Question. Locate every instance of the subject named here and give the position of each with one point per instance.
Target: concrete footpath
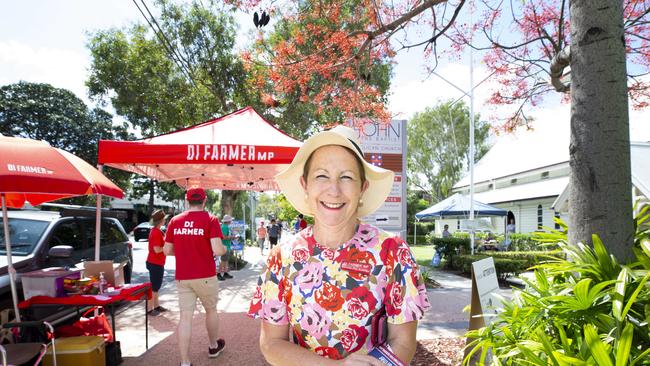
(444, 319)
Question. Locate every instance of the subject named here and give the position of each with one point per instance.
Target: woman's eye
(346, 177)
(321, 176)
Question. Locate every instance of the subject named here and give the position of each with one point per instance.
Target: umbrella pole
(98, 219)
(10, 265)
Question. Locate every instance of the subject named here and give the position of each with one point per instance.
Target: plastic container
(77, 351)
(46, 282)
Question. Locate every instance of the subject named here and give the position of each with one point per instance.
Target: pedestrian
(302, 223)
(261, 236)
(326, 286)
(222, 273)
(445, 232)
(156, 260)
(274, 232)
(194, 237)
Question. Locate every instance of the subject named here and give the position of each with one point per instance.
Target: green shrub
(586, 309)
(450, 247)
(422, 239)
(504, 266)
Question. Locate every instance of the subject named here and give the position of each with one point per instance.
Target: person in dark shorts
(156, 260)
(274, 231)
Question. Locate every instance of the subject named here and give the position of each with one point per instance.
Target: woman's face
(333, 185)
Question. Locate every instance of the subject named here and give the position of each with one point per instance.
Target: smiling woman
(343, 288)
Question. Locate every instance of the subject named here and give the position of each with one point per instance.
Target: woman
(328, 282)
(156, 260)
(261, 236)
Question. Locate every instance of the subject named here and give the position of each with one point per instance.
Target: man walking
(274, 232)
(194, 237)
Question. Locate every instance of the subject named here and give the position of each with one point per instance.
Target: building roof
(545, 145)
(543, 188)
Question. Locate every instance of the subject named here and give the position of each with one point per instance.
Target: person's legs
(260, 242)
(225, 260)
(156, 273)
(207, 289)
(186, 302)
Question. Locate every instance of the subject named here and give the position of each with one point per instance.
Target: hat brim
(380, 180)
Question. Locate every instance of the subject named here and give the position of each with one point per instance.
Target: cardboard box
(47, 281)
(113, 272)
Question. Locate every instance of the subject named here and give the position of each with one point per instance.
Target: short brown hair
(362, 172)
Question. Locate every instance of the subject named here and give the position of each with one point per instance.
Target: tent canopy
(239, 151)
(458, 206)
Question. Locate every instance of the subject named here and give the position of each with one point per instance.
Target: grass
(423, 254)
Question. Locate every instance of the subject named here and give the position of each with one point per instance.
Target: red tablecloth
(127, 293)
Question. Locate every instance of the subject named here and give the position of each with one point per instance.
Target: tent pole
(10, 265)
(415, 231)
(98, 218)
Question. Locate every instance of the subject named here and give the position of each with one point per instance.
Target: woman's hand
(361, 360)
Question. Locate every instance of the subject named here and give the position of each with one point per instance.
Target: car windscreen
(23, 235)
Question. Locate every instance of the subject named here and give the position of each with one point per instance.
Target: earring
(306, 196)
(360, 202)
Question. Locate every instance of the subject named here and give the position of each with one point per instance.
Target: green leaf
(624, 344)
(619, 294)
(634, 295)
(548, 347)
(597, 348)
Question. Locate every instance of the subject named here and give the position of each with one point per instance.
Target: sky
(45, 41)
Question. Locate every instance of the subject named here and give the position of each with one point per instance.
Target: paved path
(445, 319)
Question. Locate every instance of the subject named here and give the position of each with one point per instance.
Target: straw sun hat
(380, 180)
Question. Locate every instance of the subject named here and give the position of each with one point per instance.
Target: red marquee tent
(239, 151)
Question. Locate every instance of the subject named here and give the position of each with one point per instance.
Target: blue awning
(457, 206)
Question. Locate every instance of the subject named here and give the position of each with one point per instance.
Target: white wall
(526, 213)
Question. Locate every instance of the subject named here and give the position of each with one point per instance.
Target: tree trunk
(228, 199)
(600, 200)
(152, 192)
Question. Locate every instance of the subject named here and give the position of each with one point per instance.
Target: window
(67, 233)
(545, 175)
(557, 216)
(513, 181)
(457, 224)
(110, 233)
(540, 217)
(23, 235)
(490, 186)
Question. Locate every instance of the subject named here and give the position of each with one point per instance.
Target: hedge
(505, 263)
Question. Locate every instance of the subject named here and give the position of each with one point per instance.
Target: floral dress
(328, 296)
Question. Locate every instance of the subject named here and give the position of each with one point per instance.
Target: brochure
(385, 354)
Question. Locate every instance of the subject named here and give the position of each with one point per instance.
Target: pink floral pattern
(328, 308)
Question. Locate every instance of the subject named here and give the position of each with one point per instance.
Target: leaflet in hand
(385, 354)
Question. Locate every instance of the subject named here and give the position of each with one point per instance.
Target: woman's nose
(334, 187)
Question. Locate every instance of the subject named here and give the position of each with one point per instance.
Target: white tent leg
(10, 265)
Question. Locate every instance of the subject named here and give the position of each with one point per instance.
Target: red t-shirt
(156, 239)
(303, 224)
(190, 232)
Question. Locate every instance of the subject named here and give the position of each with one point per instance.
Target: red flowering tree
(333, 58)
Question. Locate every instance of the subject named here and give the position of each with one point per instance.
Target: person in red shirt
(156, 260)
(303, 223)
(194, 237)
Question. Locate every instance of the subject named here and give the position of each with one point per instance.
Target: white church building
(527, 174)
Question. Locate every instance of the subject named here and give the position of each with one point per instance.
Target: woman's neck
(333, 236)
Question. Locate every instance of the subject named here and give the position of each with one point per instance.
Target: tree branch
(559, 62)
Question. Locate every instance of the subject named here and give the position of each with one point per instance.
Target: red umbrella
(36, 172)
